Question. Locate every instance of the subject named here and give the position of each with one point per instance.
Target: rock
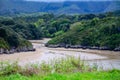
(46, 45)
(6, 51)
(94, 48)
(62, 45)
(18, 50)
(84, 47)
(12, 51)
(104, 48)
(67, 46)
(80, 46)
(1, 50)
(33, 49)
(73, 46)
(117, 49)
(53, 46)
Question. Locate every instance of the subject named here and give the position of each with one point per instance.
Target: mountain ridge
(67, 7)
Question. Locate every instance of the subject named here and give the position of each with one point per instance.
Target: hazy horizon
(66, 0)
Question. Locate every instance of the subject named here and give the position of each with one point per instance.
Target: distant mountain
(12, 7)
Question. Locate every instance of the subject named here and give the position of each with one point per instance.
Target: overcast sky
(67, 0)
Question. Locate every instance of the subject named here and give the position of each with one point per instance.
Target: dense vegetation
(15, 30)
(69, 7)
(86, 30)
(63, 69)
(13, 35)
(93, 31)
(109, 75)
(50, 25)
(98, 33)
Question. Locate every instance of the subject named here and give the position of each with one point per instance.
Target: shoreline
(109, 54)
(22, 57)
(46, 54)
(83, 47)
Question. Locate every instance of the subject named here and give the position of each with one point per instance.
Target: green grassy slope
(109, 75)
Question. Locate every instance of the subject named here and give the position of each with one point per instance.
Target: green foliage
(70, 7)
(86, 30)
(26, 30)
(9, 68)
(10, 39)
(68, 65)
(95, 32)
(109, 75)
(39, 22)
(60, 69)
(59, 33)
(55, 26)
(11, 72)
(3, 44)
(49, 24)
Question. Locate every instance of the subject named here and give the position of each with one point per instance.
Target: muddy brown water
(102, 59)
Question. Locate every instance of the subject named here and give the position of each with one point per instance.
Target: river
(103, 59)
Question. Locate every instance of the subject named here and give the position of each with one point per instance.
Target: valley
(103, 59)
(94, 38)
(59, 40)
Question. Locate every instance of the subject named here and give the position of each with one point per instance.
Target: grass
(109, 75)
(60, 69)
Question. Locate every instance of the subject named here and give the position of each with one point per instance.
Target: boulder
(6, 51)
(62, 45)
(67, 46)
(53, 46)
(1, 50)
(117, 49)
(94, 48)
(31, 48)
(104, 48)
(12, 51)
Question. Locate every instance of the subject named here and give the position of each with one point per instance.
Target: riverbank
(109, 54)
(22, 57)
(81, 47)
(100, 57)
(60, 69)
(85, 64)
(16, 50)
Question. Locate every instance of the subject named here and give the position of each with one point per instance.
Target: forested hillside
(90, 30)
(13, 35)
(93, 34)
(50, 25)
(69, 7)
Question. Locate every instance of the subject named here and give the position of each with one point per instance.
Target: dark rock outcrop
(80, 46)
(13, 50)
(1, 50)
(104, 48)
(117, 49)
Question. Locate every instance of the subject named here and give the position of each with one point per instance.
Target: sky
(66, 0)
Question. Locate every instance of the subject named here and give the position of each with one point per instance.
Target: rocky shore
(13, 50)
(82, 47)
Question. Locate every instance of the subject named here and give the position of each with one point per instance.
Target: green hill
(94, 34)
(67, 7)
(13, 35)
